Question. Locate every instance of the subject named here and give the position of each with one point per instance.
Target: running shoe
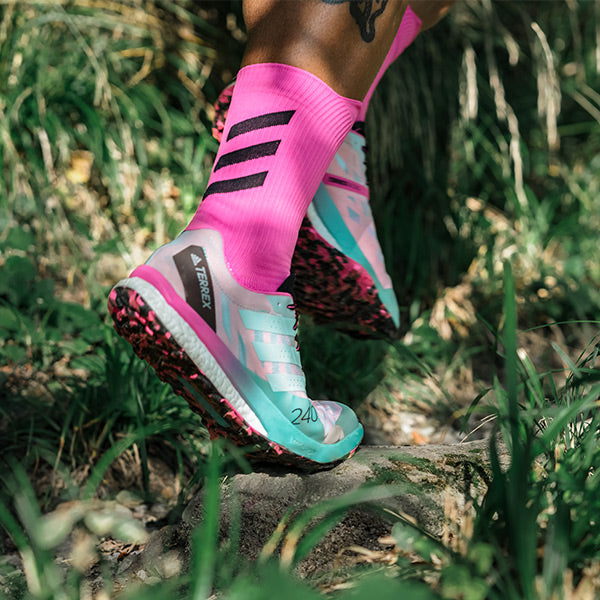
(230, 352)
(339, 267)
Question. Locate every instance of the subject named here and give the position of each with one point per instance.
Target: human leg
(431, 12)
(340, 272)
(342, 46)
(212, 312)
(338, 250)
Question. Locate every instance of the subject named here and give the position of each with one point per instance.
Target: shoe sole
(346, 296)
(138, 322)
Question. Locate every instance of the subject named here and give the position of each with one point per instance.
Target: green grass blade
(205, 537)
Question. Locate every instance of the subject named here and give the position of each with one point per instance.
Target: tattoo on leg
(364, 12)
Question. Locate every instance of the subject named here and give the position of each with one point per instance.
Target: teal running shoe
(230, 352)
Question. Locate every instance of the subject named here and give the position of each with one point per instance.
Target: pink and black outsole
(135, 321)
(221, 109)
(345, 293)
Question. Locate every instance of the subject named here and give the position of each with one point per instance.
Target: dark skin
(431, 11)
(343, 45)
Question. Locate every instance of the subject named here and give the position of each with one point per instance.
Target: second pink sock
(407, 32)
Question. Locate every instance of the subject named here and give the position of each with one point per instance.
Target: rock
(429, 485)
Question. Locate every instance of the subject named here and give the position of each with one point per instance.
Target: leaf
(19, 239)
(74, 317)
(18, 273)
(14, 354)
(124, 528)
(482, 557)
(76, 346)
(94, 335)
(8, 319)
(91, 362)
(384, 587)
(407, 537)
(18, 269)
(457, 582)
(54, 528)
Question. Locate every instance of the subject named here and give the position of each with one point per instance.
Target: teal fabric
(277, 353)
(270, 323)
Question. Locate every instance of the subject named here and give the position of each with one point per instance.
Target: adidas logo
(197, 282)
(201, 274)
(247, 154)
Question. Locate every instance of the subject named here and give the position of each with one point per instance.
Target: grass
(487, 202)
(533, 534)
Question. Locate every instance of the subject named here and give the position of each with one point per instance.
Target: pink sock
(283, 129)
(407, 32)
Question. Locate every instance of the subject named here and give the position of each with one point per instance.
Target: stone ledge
(431, 478)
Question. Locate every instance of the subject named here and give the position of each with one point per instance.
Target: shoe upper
(341, 214)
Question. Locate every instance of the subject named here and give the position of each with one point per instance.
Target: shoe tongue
(287, 287)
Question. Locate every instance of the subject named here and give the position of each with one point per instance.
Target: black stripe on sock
(250, 153)
(237, 184)
(268, 120)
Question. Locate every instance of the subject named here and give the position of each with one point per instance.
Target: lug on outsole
(348, 298)
(135, 321)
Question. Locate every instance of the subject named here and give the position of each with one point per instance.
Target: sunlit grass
(484, 152)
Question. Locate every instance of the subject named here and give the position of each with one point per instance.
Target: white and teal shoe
(230, 352)
(340, 271)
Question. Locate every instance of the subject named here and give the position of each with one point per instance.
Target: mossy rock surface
(426, 480)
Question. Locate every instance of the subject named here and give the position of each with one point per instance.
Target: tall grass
(110, 97)
(485, 124)
(533, 535)
(484, 144)
(104, 147)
